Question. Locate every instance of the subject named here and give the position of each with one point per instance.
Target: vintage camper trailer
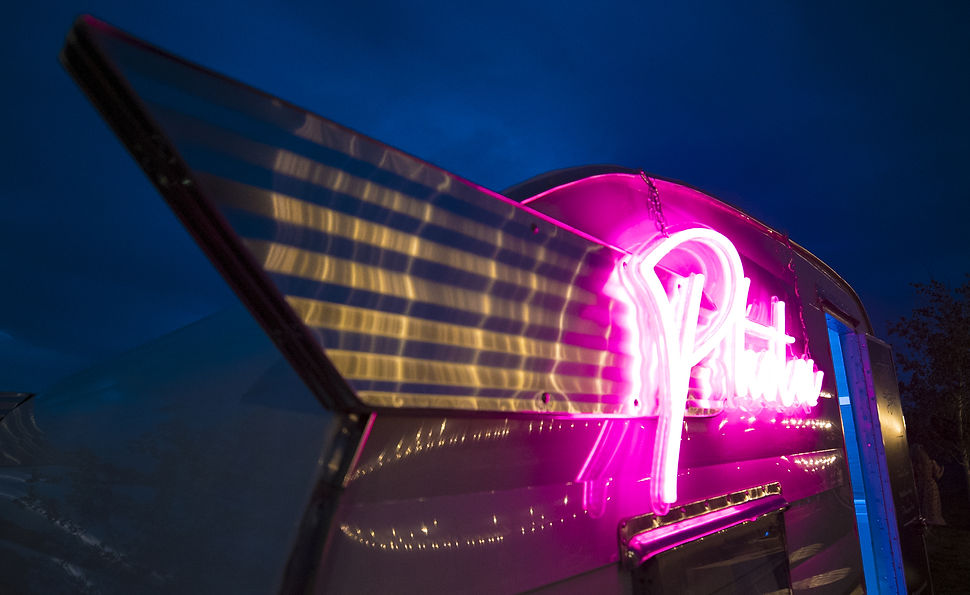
(599, 380)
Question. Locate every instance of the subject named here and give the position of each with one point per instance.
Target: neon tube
(672, 333)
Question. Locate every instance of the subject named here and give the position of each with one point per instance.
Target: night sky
(845, 126)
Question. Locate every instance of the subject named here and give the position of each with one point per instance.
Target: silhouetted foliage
(935, 358)
(934, 355)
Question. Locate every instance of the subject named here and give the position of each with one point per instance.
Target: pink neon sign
(717, 346)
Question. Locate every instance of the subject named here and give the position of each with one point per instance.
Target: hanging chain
(653, 204)
(798, 297)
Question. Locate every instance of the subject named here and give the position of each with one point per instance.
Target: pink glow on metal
(596, 448)
(522, 206)
(592, 475)
(368, 426)
(656, 541)
(675, 337)
(679, 527)
(574, 184)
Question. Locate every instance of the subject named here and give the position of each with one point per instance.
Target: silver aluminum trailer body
(598, 381)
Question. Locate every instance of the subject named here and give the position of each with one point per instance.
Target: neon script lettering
(733, 361)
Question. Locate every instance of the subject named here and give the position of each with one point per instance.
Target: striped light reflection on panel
(318, 314)
(304, 214)
(598, 385)
(316, 266)
(423, 289)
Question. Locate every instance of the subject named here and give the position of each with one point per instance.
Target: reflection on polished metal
(511, 297)
(822, 579)
(426, 441)
(471, 531)
(319, 314)
(645, 536)
(812, 424)
(594, 473)
(816, 462)
(405, 369)
(677, 341)
(324, 268)
(387, 282)
(649, 522)
(804, 553)
(445, 294)
(405, 539)
(500, 310)
(313, 217)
